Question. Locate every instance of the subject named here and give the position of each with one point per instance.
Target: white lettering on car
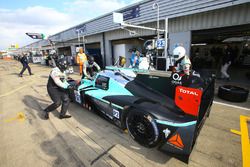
(188, 92)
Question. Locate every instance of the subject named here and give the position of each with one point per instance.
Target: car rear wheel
(142, 128)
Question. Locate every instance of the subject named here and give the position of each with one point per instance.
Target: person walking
(226, 62)
(81, 58)
(25, 63)
(57, 87)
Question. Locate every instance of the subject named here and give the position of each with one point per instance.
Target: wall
(183, 38)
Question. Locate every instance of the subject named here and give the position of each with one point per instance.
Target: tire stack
(233, 93)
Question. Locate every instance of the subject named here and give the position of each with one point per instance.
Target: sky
(48, 17)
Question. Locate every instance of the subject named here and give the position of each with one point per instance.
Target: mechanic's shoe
(64, 116)
(46, 116)
(31, 74)
(20, 75)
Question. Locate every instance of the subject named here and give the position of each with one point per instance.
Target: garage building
(202, 27)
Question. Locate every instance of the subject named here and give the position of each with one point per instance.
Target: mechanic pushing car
(57, 88)
(89, 67)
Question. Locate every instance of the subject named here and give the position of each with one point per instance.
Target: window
(102, 82)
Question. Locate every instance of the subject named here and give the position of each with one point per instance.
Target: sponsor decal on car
(176, 141)
(176, 79)
(77, 96)
(166, 132)
(188, 99)
(116, 114)
(188, 92)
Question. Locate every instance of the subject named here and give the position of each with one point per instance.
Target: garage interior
(124, 47)
(207, 50)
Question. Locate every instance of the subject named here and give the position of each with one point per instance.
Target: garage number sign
(160, 43)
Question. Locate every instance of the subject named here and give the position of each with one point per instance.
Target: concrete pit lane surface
(87, 139)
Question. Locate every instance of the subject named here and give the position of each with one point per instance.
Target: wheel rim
(141, 128)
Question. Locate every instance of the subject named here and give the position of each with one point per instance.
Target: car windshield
(117, 76)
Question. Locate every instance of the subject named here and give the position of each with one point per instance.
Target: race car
(160, 109)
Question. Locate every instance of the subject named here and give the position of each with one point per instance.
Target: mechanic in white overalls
(180, 56)
(57, 88)
(183, 68)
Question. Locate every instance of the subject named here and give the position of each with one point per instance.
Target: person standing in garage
(57, 87)
(226, 62)
(81, 58)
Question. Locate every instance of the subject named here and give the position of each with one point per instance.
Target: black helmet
(62, 64)
(91, 60)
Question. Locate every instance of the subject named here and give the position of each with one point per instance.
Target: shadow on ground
(59, 149)
(98, 125)
(104, 127)
(38, 105)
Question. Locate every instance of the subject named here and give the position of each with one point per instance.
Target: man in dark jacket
(25, 64)
(57, 88)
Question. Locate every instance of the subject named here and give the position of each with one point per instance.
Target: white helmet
(186, 60)
(179, 52)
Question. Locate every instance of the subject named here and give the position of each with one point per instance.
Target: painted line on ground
(230, 105)
(15, 90)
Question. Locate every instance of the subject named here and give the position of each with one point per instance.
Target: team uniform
(57, 89)
(89, 67)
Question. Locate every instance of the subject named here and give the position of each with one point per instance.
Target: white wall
(119, 50)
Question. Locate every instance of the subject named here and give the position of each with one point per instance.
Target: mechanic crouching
(89, 68)
(57, 88)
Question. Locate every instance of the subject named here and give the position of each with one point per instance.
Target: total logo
(188, 92)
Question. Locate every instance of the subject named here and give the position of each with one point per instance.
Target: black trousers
(58, 97)
(25, 66)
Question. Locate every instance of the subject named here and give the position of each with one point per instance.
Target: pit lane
(90, 140)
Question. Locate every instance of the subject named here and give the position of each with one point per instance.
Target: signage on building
(81, 29)
(160, 43)
(36, 59)
(131, 13)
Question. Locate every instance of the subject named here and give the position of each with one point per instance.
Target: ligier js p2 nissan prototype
(160, 109)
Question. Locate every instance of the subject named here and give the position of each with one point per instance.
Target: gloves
(69, 78)
(91, 78)
(71, 87)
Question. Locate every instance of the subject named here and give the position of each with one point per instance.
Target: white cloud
(83, 10)
(15, 23)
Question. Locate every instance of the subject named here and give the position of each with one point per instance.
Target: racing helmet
(91, 60)
(179, 52)
(185, 61)
(62, 64)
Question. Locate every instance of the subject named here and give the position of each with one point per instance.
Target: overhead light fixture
(198, 44)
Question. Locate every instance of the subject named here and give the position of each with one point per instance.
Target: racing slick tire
(142, 128)
(233, 93)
